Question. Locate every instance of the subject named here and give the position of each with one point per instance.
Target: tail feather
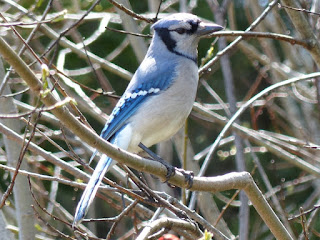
(121, 139)
(91, 189)
(93, 155)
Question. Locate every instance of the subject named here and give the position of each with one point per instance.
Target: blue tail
(91, 189)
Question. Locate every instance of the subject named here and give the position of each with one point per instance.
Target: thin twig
(54, 179)
(130, 33)
(131, 13)
(277, 36)
(298, 9)
(15, 94)
(100, 92)
(37, 110)
(303, 221)
(12, 24)
(71, 27)
(120, 216)
(304, 212)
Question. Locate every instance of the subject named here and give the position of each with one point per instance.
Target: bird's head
(181, 32)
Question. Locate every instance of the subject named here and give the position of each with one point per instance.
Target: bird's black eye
(180, 30)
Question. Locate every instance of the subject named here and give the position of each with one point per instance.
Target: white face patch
(184, 25)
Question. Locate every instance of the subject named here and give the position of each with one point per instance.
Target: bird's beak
(205, 29)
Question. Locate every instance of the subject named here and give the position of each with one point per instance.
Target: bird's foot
(171, 170)
(188, 175)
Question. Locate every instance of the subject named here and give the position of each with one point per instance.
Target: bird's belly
(162, 126)
(160, 118)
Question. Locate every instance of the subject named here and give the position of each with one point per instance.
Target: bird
(159, 97)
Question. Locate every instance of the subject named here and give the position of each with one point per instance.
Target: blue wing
(135, 95)
(144, 84)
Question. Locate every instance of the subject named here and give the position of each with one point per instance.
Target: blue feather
(126, 107)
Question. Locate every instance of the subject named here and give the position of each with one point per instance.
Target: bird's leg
(170, 169)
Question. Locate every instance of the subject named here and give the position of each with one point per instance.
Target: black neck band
(165, 36)
(186, 56)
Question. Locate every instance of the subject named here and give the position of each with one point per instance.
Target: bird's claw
(188, 175)
(171, 170)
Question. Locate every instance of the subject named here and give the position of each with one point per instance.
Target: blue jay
(159, 97)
